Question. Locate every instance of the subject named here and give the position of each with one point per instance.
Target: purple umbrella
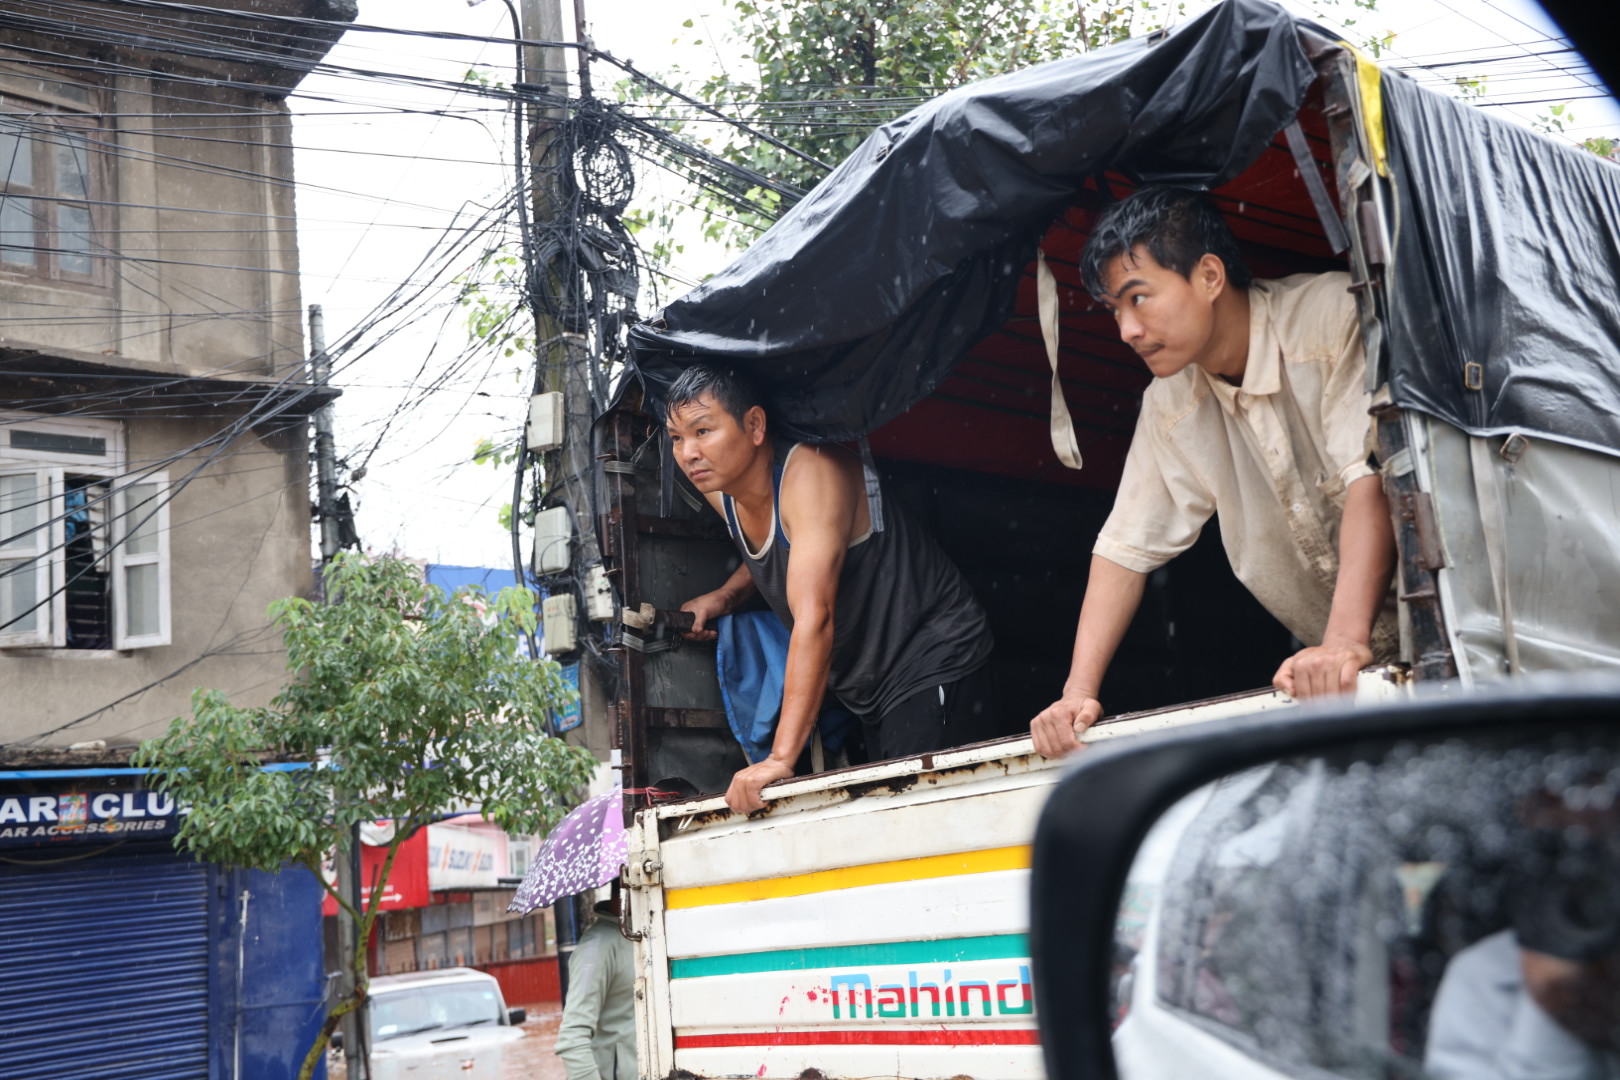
(585, 850)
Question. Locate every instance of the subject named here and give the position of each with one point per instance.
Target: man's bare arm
(818, 505)
(1113, 594)
(722, 601)
(1366, 565)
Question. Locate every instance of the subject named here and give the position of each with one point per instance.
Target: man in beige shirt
(1257, 412)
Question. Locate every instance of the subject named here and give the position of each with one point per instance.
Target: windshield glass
(396, 1013)
(1403, 910)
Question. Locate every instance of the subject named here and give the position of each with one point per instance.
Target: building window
(84, 546)
(520, 939)
(518, 854)
(49, 179)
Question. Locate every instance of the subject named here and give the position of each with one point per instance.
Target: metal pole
(563, 914)
(584, 53)
(320, 373)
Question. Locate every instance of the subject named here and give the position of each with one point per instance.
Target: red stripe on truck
(864, 1037)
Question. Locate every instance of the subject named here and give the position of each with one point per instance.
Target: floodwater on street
(528, 1058)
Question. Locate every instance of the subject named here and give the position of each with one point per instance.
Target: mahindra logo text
(937, 994)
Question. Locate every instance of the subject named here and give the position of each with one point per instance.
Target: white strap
(1493, 516)
(1063, 442)
(874, 492)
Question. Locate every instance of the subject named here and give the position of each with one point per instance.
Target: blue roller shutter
(104, 969)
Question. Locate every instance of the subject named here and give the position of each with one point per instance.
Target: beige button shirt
(1272, 457)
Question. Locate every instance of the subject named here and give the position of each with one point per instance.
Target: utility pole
(556, 350)
(348, 862)
(320, 373)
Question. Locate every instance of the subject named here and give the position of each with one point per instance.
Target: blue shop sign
(569, 716)
(35, 818)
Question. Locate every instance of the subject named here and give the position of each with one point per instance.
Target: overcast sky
(385, 167)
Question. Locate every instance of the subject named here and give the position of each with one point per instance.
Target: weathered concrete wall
(195, 277)
(239, 539)
(197, 267)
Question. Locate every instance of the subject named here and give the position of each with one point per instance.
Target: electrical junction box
(557, 615)
(598, 595)
(545, 431)
(553, 530)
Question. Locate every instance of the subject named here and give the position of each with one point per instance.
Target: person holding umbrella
(597, 1037)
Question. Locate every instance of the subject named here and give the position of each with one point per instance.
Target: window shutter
(30, 557)
(140, 563)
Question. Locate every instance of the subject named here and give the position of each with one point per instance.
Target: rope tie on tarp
(1305, 165)
(1063, 440)
(666, 475)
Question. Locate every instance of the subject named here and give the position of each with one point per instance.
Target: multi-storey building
(153, 502)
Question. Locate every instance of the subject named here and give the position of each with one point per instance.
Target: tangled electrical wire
(584, 278)
(586, 263)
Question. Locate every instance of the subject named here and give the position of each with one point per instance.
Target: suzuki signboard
(460, 859)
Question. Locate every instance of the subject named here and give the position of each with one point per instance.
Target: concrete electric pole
(348, 863)
(320, 374)
(559, 353)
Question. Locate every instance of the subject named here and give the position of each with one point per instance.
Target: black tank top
(904, 617)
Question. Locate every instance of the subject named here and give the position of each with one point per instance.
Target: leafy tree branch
(402, 703)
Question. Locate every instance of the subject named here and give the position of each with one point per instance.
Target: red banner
(407, 885)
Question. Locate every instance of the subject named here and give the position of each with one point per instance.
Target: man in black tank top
(879, 618)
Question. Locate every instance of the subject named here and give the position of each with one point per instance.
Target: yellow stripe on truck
(849, 877)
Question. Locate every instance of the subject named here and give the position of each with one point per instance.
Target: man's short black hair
(1177, 226)
(726, 387)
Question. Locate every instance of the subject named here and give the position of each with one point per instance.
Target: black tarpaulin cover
(857, 303)
(1506, 255)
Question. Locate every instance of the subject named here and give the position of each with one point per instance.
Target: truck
(872, 922)
(868, 921)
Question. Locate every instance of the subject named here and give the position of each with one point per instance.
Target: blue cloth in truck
(751, 654)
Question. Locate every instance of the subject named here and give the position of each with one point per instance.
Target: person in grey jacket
(597, 1037)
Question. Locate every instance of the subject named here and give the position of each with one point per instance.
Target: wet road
(529, 1058)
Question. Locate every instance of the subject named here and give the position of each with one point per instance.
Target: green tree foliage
(824, 73)
(404, 702)
(1557, 121)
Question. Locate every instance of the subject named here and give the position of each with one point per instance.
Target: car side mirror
(1336, 892)
(516, 1016)
(337, 1040)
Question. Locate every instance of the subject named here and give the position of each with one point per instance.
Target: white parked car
(447, 1023)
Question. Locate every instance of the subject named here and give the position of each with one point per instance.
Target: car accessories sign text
(29, 820)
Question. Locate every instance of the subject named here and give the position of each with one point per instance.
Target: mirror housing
(1098, 816)
(514, 1017)
(337, 1040)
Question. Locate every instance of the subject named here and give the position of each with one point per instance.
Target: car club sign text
(32, 819)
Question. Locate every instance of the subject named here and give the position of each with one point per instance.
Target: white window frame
(127, 519)
(55, 466)
(47, 553)
(514, 847)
